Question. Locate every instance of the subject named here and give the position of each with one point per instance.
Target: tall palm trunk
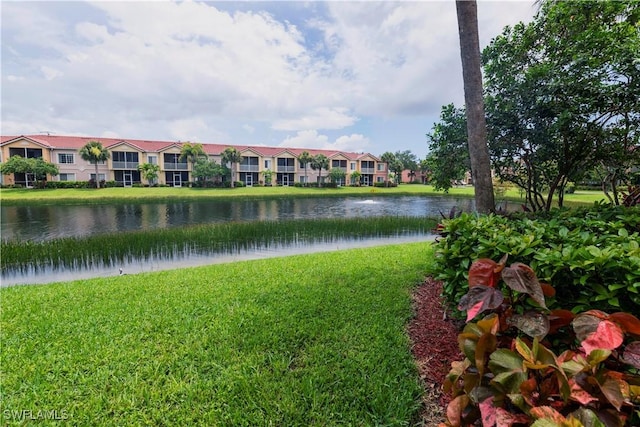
(97, 177)
(476, 124)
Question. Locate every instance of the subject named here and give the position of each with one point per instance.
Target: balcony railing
(368, 170)
(249, 168)
(171, 166)
(125, 165)
(286, 168)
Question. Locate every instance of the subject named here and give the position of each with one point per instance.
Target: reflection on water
(191, 259)
(38, 223)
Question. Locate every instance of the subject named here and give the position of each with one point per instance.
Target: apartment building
(127, 154)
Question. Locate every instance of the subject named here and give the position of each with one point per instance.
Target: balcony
(249, 168)
(175, 166)
(125, 165)
(286, 169)
(367, 170)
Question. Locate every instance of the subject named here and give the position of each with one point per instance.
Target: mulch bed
(434, 347)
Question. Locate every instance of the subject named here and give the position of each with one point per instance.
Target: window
(249, 161)
(353, 166)
(381, 167)
(153, 160)
(101, 175)
(67, 177)
(339, 164)
(65, 158)
(27, 153)
(125, 157)
(267, 164)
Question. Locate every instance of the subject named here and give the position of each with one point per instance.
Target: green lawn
(313, 340)
(115, 195)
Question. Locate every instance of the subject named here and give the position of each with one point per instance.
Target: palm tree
(268, 176)
(318, 163)
(94, 152)
(149, 172)
(305, 158)
(192, 152)
(467, 12)
(231, 155)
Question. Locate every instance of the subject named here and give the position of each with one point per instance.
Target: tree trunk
(476, 123)
(97, 177)
(233, 175)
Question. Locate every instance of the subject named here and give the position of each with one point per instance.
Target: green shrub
(591, 253)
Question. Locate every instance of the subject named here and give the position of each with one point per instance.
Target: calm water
(38, 223)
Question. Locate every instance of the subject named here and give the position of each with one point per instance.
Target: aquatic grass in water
(110, 249)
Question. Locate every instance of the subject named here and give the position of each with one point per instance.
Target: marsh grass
(309, 340)
(113, 248)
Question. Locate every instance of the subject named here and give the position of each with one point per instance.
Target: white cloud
(312, 139)
(50, 73)
(215, 72)
(319, 118)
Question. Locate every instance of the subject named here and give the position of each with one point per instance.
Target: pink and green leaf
(521, 278)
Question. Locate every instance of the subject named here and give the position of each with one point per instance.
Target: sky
(359, 76)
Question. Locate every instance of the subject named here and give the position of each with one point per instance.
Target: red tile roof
(77, 142)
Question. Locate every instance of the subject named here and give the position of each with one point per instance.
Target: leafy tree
(206, 170)
(400, 161)
(305, 158)
(448, 158)
(37, 167)
(562, 96)
(319, 162)
(409, 161)
(192, 152)
(94, 152)
(337, 175)
(476, 125)
(231, 156)
(15, 164)
(426, 170)
(149, 171)
(390, 159)
(396, 167)
(355, 178)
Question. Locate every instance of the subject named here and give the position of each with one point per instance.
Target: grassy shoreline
(17, 197)
(300, 341)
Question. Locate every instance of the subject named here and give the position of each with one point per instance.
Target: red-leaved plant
(511, 376)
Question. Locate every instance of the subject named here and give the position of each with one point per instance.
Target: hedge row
(590, 255)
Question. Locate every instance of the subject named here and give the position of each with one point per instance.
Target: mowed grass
(311, 340)
(173, 194)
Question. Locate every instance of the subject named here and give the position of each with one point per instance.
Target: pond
(37, 223)
(41, 223)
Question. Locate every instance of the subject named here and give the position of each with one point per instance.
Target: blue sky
(347, 75)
